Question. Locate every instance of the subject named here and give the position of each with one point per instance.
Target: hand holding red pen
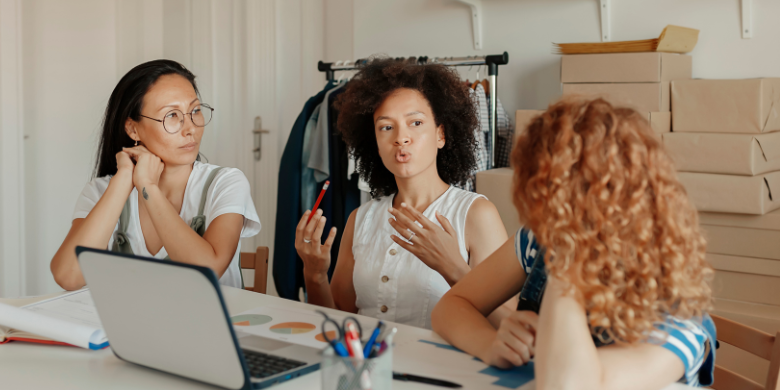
(315, 256)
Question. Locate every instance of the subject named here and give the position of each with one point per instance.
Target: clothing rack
(491, 61)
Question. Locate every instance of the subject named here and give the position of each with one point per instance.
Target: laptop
(172, 317)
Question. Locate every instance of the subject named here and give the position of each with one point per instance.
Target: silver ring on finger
(307, 241)
(412, 236)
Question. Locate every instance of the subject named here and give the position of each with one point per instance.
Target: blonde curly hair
(598, 190)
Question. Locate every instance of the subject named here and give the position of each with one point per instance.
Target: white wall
(12, 277)
(69, 62)
(338, 30)
(526, 29)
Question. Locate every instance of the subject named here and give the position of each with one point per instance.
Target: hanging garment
(308, 175)
(483, 109)
(316, 153)
(320, 140)
(288, 267)
(481, 133)
(319, 163)
(505, 136)
(391, 283)
(345, 196)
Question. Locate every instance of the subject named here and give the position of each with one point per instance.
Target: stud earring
(136, 142)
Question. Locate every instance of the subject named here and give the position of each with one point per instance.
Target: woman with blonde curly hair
(614, 288)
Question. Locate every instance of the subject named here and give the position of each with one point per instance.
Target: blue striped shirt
(691, 340)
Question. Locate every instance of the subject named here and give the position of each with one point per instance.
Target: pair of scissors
(337, 342)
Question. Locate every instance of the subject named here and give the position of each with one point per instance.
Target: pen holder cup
(345, 373)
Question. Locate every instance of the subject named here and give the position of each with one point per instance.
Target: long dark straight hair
(125, 102)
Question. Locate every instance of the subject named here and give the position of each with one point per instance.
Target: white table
(34, 366)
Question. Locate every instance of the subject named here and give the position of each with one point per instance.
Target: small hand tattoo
(143, 191)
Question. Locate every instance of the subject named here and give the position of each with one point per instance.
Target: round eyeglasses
(174, 119)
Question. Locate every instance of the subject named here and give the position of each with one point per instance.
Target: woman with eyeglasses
(151, 195)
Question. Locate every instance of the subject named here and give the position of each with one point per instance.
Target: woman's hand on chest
(148, 167)
(435, 246)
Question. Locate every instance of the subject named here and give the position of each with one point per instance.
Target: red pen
(352, 339)
(319, 199)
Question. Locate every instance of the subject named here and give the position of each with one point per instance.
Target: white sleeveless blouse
(391, 283)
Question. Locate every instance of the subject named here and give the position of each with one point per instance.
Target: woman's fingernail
(403, 204)
(390, 209)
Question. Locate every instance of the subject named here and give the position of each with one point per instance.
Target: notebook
(68, 319)
(673, 39)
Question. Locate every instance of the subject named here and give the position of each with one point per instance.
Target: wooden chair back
(257, 261)
(754, 341)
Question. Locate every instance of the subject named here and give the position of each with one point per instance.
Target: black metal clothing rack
(491, 61)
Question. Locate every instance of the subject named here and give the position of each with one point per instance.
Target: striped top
(690, 340)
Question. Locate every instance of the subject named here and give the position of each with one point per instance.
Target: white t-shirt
(229, 193)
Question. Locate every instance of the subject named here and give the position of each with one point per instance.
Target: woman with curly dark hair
(411, 128)
(609, 264)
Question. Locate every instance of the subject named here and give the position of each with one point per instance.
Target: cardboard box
(736, 154)
(731, 193)
(625, 67)
(496, 184)
(726, 106)
(768, 221)
(643, 97)
(746, 265)
(740, 286)
(742, 242)
(660, 122)
(523, 119)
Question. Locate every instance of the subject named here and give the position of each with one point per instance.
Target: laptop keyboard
(262, 365)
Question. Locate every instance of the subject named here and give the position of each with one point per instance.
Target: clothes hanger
(486, 85)
(343, 73)
(476, 81)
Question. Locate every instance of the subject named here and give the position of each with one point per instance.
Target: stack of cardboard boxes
(637, 80)
(726, 147)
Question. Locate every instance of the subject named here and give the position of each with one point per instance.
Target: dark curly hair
(452, 108)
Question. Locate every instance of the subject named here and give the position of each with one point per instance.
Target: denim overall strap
(121, 243)
(535, 282)
(198, 223)
(533, 291)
